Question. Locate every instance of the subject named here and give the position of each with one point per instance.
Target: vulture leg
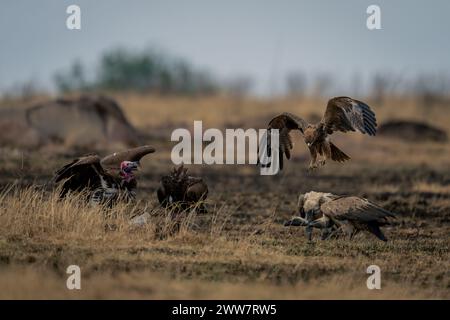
(348, 229)
(325, 233)
(334, 232)
(321, 223)
(328, 232)
(308, 232)
(325, 225)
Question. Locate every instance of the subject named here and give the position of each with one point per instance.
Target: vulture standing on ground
(180, 191)
(350, 214)
(107, 179)
(342, 114)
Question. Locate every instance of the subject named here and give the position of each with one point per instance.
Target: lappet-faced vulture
(107, 179)
(342, 114)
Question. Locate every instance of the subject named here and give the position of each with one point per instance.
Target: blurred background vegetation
(152, 71)
(149, 71)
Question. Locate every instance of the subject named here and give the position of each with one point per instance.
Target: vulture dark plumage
(342, 114)
(179, 191)
(107, 179)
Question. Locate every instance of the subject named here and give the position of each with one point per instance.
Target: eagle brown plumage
(106, 180)
(180, 191)
(342, 114)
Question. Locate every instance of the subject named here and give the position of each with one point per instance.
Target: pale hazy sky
(265, 39)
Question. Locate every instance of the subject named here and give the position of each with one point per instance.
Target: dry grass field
(239, 249)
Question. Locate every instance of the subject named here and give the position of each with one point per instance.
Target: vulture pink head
(127, 168)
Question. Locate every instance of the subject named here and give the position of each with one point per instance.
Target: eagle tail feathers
(337, 154)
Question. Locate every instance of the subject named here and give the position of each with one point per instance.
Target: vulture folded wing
(80, 173)
(356, 209)
(285, 122)
(112, 161)
(347, 114)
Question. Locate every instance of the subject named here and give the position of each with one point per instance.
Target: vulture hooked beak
(134, 165)
(127, 167)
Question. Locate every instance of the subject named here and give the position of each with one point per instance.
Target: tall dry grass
(34, 213)
(195, 256)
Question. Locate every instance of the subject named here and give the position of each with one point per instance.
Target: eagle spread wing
(80, 173)
(285, 122)
(355, 209)
(347, 114)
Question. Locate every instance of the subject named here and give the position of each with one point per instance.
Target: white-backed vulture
(349, 213)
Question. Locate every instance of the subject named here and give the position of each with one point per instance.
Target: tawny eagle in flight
(348, 213)
(106, 180)
(342, 114)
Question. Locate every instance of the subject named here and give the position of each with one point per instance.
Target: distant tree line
(157, 72)
(146, 71)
